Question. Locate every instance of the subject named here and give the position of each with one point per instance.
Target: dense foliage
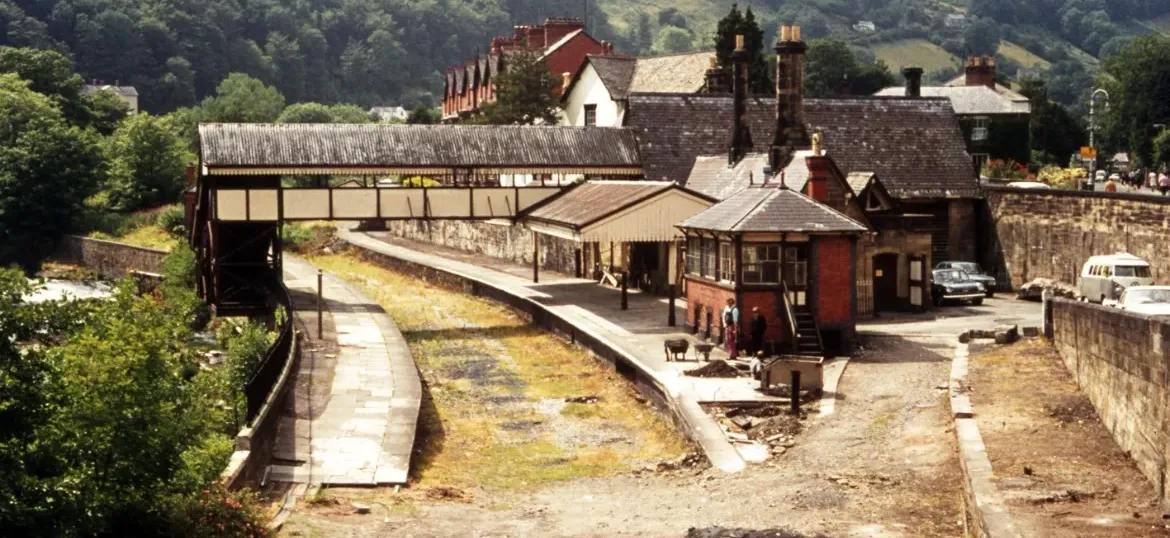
(107, 425)
(525, 93)
(1139, 89)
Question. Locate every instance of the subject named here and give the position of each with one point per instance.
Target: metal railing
(788, 311)
(260, 386)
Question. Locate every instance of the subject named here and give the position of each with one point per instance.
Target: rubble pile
(771, 426)
(714, 369)
(1034, 289)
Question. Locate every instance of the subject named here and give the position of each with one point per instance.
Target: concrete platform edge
(985, 514)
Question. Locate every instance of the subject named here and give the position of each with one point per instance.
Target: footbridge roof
(337, 149)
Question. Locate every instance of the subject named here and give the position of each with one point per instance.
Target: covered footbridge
(252, 178)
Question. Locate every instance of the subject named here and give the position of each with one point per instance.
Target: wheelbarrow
(676, 349)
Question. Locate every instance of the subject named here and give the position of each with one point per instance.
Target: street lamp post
(1099, 92)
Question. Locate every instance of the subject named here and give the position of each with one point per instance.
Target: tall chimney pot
(796, 33)
(785, 34)
(741, 136)
(913, 81)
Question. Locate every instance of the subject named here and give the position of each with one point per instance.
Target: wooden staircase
(808, 335)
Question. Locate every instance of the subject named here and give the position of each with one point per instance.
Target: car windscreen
(969, 267)
(1132, 271)
(950, 276)
(1147, 297)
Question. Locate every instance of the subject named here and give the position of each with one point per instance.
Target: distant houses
(865, 27)
(389, 114)
(128, 94)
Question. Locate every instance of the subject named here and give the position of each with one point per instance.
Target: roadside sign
(1088, 152)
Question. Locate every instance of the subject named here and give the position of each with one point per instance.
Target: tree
(832, 69)
(525, 92)
(982, 38)
(1162, 149)
(1055, 134)
(47, 170)
(243, 99)
(318, 113)
(147, 163)
(643, 34)
(672, 39)
(1140, 95)
(424, 115)
(735, 24)
(105, 110)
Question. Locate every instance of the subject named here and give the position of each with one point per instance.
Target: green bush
(295, 235)
(173, 219)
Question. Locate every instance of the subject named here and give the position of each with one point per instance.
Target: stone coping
(681, 402)
(985, 512)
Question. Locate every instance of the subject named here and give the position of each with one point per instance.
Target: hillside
(382, 52)
(1066, 37)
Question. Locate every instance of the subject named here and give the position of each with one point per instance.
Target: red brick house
(563, 43)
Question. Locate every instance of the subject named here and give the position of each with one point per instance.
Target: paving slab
(361, 430)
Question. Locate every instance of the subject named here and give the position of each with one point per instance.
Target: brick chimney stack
(913, 81)
(980, 71)
(741, 135)
(556, 28)
(790, 133)
(718, 79)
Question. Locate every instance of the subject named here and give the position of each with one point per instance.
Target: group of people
(1138, 180)
(756, 330)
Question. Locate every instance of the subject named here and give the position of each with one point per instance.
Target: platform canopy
(617, 211)
(342, 149)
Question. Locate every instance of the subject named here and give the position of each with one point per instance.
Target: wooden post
(535, 258)
(625, 291)
(670, 316)
(611, 256)
(320, 323)
(577, 263)
(795, 391)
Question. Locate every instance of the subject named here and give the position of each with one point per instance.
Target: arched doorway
(885, 282)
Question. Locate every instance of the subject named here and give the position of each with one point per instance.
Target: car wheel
(937, 300)
(990, 293)
(977, 302)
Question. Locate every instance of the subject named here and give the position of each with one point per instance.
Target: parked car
(1106, 277)
(955, 285)
(975, 272)
(1148, 300)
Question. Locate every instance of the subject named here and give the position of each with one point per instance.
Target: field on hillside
(1161, 24)
(914, 53)
(1021, 55)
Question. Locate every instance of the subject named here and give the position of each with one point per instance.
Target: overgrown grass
(1022, 56)
(916, 53)
(469, 439)
(141, 229)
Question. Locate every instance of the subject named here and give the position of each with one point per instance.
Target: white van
(1105, 277)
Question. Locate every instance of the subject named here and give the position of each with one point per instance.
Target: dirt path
(1058, 467)
(882, 465)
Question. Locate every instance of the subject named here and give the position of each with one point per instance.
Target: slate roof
(126, 91)
(858, 181)
(914, 145)
(615, 72)
(381, 145)
(772, 209)
(711, 175)
(594, 200)
(673, 73)
(971, 100)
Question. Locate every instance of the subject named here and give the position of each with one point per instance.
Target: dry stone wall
(1031, 233)
(111, 260)
(1119, 360)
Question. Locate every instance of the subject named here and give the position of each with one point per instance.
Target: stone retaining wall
(495, 240)
(1119, 360)
(1031, 233)
(111, 260)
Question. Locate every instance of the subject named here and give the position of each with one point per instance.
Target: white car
(1148, 300)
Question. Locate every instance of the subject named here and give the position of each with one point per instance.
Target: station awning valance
(617, 211)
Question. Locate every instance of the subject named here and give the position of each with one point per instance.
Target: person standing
(1164, 183)
(1110, 185)
(759, 327)
(731, 329)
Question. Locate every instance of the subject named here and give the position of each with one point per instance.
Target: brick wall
(706, 296)
(111, 260)
(1119, 360)
(1036, 233)
(835, 282)
(961, 230)
(511, 243)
